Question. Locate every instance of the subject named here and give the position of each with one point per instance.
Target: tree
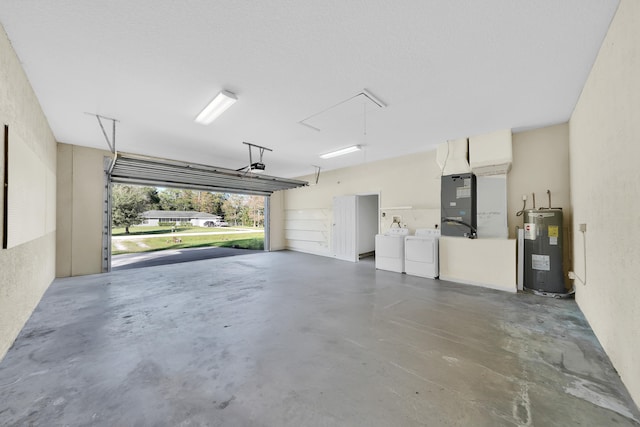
(185, 200)
(153, 198)
(245, 215)
(168, 198)
(232, 208)
(172, 199)
(205, 201)
(218, 201)
(256, 210)
(128, 203)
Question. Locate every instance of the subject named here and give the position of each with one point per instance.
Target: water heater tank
(543, 250)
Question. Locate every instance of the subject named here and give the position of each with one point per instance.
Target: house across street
(198, 219)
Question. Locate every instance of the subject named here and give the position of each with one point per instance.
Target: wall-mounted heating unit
(458, 205)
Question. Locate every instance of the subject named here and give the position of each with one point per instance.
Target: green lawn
(242, 241)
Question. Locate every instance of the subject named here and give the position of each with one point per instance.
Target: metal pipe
(474, 232)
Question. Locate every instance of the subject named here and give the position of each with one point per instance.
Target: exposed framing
(266, 216)
(106, 218)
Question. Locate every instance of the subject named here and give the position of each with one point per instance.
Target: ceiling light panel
(219, 105)
(341, 152)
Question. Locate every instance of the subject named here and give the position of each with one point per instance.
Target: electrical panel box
(458, 203)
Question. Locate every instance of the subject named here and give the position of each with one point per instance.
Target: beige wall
(28, 266)
(605, 193)
(408, 180)
(79, 216)
(409, 187)
(64, 218)
(405, 181)
(490, 263)
(276, 221)
(540, 162)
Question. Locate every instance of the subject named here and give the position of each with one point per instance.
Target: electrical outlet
(583, 227)
(572, 275)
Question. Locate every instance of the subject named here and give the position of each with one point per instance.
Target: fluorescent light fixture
(219, 105)
(341, 152)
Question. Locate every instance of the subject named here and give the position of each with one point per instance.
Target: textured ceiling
(445, 69)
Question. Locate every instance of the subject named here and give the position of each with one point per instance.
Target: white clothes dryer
(421, 253)
(390, 250)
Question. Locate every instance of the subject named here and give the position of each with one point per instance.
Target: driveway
(148, 259)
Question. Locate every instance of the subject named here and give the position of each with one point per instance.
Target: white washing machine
(421, 253)
(390, 249)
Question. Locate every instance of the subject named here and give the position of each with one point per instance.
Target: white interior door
(344, 239)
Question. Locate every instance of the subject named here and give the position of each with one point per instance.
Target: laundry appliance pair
(415, 255)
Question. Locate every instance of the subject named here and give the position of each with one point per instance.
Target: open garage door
(149, 171)
(141, 170)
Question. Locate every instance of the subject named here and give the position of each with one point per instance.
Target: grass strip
(151, 244)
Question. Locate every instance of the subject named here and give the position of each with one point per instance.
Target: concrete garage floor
(288, 339)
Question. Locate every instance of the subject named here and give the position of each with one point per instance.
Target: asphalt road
(148, 259)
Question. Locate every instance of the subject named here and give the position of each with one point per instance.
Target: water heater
(543, 250)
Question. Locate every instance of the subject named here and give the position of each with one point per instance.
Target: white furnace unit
(421, 253)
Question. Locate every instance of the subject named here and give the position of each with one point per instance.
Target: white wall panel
(308, 230)
(492, 206)
(27, 202)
